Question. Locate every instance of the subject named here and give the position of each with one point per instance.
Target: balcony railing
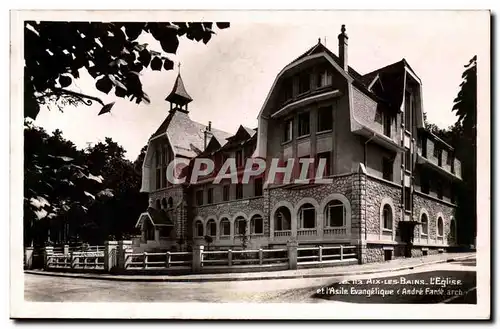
(283, 233)
(307, 232)
(335, 231)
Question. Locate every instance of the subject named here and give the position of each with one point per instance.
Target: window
(304, 128)
(324, 78)
(325, 118)
(307, 216)
(387, 169)
(239, 191)
(257, 187)
(158, 204)
(439, 189)
(424, 224)
(304, 82)
(210, 195)
(288, 130)
(198, 228)
(424, 146)
(335, 214)
(438, 154)
(257, 225)
(211, 228)
(327, 156)
(282, 219)
(225, 227)
(158, 178)
(387, 217)
(408, 109)
(407, 198)
(287, 89)
(387, 124)
(199, 197)
(440, 226)
(240, 225)
(164, 203)
(453, 230)
(239, 158)
(408, 160)
(225, 192)
(452, 195)
(425, 183)
(170, 203)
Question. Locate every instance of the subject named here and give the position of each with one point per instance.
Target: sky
(230, 77)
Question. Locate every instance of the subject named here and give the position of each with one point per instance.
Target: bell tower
(178, 97)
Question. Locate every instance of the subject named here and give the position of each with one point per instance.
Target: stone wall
(432, 207)
(378, 190)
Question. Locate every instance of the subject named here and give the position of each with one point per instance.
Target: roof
(187, 137)
(179, 94)
(391, 77)
(159, 217)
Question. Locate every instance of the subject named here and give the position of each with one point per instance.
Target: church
(392, 181)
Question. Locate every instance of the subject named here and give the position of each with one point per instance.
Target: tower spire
(178, 97)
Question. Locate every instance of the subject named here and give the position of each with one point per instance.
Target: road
(58, 289)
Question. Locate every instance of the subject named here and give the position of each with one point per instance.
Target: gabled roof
(179, 95)
(391, 77)
(187, 137)
(157, 217)
(319, 48)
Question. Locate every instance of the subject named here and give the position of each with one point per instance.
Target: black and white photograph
(250, 165)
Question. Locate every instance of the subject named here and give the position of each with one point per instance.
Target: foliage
(63, 191)
(56, 52)
(462, 135)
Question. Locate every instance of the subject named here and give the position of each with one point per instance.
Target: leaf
(156, 64)
(104, 85)
(98, 179)
(40, 214)
(133, 30)
(64, 158)
(116, 82)
(64, 81)
(168, 64)
(106, 193)
(106, 108)
(169, 42)
(222, 25)
(89, 195)
(144, 57)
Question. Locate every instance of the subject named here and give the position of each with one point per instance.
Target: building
(392, 180)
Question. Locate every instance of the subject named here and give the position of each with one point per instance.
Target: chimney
(208, 134)
(343, 48)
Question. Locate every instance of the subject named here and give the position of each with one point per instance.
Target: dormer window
(304, 82)
(324, 78)
(287, 89)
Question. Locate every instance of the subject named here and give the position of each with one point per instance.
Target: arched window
(425, 224)
(211, 228)
(198, 228)
(170, 203)
(257, 224)
(335, 214)
(240, 225)
(387, 217)
(164, 203)
(158, 204)
(307, 216)
(453, 230)
(440, 226)
(225, 227)
(282, 219)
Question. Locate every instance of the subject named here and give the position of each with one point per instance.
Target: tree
(465, 134)
(56, 52)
